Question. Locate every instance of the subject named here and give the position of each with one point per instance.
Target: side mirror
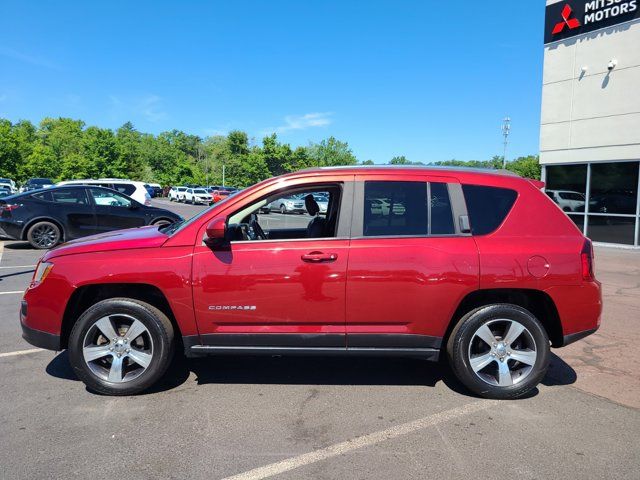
(216, 232)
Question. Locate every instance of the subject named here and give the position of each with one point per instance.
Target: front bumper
(40, 339)
(37, 338)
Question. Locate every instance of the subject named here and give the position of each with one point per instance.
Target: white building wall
(592, 115)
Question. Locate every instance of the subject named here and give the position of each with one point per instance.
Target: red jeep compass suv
(478, 266)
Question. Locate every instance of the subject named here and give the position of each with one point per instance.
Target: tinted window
(125, 188)
(46, 196)
(441, 214)
(395, 208)
(109, 198)
(70, 195)
(614, 188)
(487, 206)
(571, 178)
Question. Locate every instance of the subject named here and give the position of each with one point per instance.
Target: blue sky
(425, 79)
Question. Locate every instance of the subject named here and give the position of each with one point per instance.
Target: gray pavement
(327, 418)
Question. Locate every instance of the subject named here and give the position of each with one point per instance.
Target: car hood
(142, 237)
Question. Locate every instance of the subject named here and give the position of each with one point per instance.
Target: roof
(424, 168)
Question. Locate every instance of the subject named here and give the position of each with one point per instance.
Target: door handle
(319, 257)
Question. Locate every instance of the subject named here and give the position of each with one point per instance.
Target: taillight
(586, 259)
(8, 207)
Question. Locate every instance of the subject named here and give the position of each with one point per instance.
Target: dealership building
(590, 125)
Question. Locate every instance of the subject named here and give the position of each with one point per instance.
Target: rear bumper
(40, 339)
(10, 229)
(574, 337)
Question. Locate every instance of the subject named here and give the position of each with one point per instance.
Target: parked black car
(36, 184)
(50, 216)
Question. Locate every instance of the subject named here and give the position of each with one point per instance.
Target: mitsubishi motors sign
(567, 19)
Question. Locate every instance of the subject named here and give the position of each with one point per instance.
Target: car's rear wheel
(44, 234)
(499, 351)
(121, 346)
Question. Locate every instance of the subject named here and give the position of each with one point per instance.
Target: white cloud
(22, 57)
(149, 107)
(302, 122)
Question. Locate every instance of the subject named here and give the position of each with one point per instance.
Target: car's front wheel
(499, 351)
(121, 346)
(44, 234)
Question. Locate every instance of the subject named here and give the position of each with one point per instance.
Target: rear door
(115, 211)
(410, 263)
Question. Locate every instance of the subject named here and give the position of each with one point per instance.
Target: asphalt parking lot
(252, 418)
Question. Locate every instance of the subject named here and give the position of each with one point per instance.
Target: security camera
(612, 64)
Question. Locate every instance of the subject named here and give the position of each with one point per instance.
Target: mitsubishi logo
(569, 22)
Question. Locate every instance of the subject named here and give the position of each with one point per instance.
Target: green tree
(331, 152)
(402, 160)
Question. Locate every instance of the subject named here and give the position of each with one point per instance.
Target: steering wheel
(255, 230)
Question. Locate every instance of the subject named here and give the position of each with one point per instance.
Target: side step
(202, 350)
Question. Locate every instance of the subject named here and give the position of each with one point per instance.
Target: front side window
(109, 198)
(293, 214)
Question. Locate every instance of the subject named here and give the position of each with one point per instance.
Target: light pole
(506, 128)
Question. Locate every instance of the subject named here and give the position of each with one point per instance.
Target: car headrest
(311, 205)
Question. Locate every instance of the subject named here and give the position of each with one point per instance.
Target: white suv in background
(568, 200)
(10, 184)
(131, 188)
(176, 194)
(198, 195)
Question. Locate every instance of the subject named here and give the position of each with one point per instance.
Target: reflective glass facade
(600, 198)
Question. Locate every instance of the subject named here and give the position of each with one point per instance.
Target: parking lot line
(21, 352)
(12, 293)
(362, 441)
(19, 266)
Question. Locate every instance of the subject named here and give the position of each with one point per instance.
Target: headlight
(42, 270)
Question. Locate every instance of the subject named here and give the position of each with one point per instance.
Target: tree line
(64, 149)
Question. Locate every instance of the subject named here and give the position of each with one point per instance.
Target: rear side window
(71, 195)
(487, 206)
(125, 188)
(395, 208)
(407, 208)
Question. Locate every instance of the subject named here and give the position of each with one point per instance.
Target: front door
(284, 288)
(115, 211)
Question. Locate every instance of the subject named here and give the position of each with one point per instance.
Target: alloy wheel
(45, 236)
(118, 348)
(502, 352)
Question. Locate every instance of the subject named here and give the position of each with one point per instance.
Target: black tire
(458, 350)
(193, 201)
(171, 199)
(161, 222)
(44, 235)
(283, 209)
(158, 327)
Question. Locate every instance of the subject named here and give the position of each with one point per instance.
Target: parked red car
(478, 266)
